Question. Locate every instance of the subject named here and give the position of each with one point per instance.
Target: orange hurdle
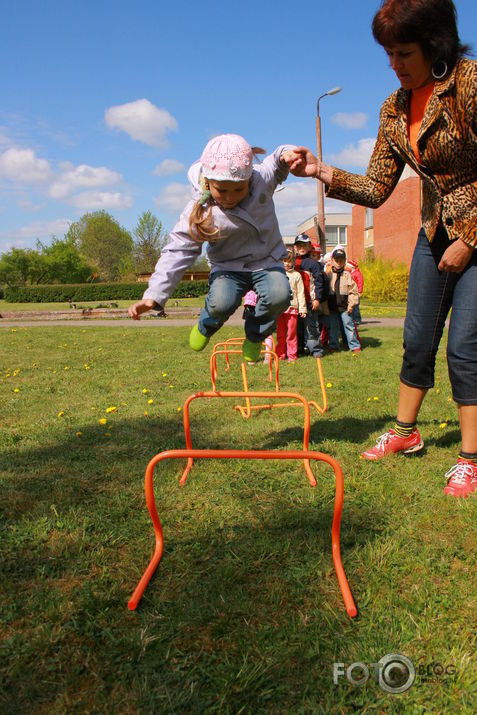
(224, 348)
(246, 454)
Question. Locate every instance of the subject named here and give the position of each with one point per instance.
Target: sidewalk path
(185, 320)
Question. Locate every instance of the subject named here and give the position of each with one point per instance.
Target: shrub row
(384, 281)
(94, 292)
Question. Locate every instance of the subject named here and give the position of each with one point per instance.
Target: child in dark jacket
(316, 291)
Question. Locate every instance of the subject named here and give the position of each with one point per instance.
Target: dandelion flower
(369, 399)
(60, 414)
(164, 374)
(375, 398)
(443, 425)
(171, 387)
(66, 367)
(179, 409)
(145, 391)
(146, 414)
(16, 389)
(111, 409)
(78, 434)
(103, 421)
(438, 390)
(329, 384)
(150, 402)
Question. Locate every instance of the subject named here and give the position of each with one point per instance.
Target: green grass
(244, 614)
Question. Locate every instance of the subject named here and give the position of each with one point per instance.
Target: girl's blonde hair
(290, 257)
(201, 226)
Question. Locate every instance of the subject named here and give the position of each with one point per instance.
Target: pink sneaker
(391, 442)
(461, 479)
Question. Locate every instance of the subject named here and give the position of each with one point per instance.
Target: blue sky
(105, 104)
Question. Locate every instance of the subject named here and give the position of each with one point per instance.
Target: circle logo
(396, 673)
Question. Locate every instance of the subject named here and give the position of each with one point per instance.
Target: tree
(20, 266)
(103, 243)
(148, 243)
(64, 263)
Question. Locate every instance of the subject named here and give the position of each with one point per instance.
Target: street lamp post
(321, 191)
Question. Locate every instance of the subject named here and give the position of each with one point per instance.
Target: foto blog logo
(394, 673)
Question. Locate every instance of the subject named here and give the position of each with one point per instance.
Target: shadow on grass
(244, 602)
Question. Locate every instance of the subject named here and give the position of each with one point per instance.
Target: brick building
(389, 232)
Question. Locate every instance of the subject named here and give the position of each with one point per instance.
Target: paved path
(169, 322)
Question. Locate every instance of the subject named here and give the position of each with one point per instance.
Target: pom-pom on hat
(354, 264)
(227, 157)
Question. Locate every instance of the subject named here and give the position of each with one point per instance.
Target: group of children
(326, 298)
(232, 212)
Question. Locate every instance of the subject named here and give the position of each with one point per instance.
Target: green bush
(94, 292)
(384, 281)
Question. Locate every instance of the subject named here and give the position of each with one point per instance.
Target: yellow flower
(179, 409)
(369, 399)
(150, 402)
(144, 391)
(66, 367)
(171, 386)
(375, 398)
(329, 384)
(443, 425)
(103, 421)
(16, 389)
(111, 409)
(60, 414)
(438, 390)
(146, 414)
(78, 434)
(164, 374)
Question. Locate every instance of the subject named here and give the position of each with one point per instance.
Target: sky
(105, 104)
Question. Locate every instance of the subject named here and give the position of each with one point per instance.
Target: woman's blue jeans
(431, 295)
(226, 290)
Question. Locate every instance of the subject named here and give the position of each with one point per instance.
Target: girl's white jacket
(249, 238)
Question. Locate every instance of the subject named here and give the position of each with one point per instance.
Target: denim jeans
(336, 320)
(226, 290)
(431, 294)
(312, 333)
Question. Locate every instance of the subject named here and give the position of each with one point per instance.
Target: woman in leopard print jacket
(429, 124)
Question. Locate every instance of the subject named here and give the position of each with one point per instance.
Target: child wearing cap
(341, 301)
(316, 291)
(232, 211)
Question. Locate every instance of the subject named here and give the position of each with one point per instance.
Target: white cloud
(298, 201)
(97, 200)
(350, 120)
(354, 155)
(168, 167)
(80, 177)
(24, 167)
(41, 230)
(174, 197)
(142, 120)
(30, 207)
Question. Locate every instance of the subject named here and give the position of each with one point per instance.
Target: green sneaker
(197, 341)
(251, 351)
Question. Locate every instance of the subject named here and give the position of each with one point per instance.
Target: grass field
(244, 614)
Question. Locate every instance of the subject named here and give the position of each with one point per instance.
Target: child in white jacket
(287, 339)
(232, 210)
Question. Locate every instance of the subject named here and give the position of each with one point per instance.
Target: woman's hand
(306, 164)
(456, 257)
(142, 306)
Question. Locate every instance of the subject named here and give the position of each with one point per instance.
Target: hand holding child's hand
(142, 306)
(303, 315)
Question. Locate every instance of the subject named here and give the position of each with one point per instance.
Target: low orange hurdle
(245, 454)
(224, 348)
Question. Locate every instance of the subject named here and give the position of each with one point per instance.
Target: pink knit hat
(227, 157)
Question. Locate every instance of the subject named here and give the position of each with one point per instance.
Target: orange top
(417, 107)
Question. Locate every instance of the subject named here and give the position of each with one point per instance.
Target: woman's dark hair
(431, 23)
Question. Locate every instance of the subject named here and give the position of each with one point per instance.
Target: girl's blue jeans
(226, 289)
(431, 295)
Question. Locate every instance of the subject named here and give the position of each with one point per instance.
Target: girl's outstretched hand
(305, 163)
(142, 306)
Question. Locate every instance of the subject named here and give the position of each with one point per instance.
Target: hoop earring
(444, 72)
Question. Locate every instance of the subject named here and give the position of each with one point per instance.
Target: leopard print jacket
(447, 144)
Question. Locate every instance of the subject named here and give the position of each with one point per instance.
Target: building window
(335, 235)
(368, 218)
